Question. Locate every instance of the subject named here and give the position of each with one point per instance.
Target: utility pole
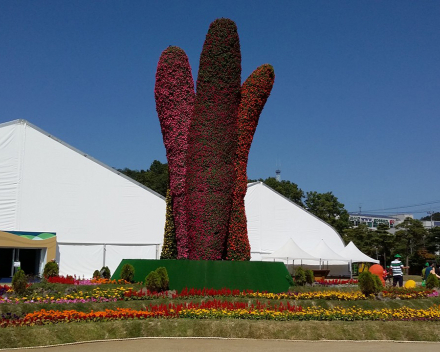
(430, 213)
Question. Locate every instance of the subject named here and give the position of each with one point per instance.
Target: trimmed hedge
(242, 275)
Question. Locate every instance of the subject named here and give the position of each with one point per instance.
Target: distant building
(372, 221)
(428, 224)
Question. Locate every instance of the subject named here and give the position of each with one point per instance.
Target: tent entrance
(6, 262)
(30, 259)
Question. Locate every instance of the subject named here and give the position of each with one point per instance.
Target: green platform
(257, 276)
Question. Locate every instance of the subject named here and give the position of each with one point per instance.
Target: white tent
(99, 215)
(290, 251)
(273, 219)
(326, 254)
(355, 255)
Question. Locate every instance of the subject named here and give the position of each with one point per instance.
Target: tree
(288, 189)
(385, 242)
(156, 177)
(435, 217)
(410, 237)
(433, 240)
(327, 207)
(362, 237)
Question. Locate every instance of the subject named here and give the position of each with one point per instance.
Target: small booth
(29, 251)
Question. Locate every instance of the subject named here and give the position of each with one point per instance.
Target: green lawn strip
(293, 330)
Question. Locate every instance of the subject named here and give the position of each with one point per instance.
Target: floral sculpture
(254, 94)
(174, 93)
(207, 137)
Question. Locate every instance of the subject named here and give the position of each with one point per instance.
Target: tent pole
(351, 272)
(103, 255)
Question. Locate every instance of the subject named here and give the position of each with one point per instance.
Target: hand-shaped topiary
(201, 134)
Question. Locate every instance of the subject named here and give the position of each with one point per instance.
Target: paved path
(242, 345)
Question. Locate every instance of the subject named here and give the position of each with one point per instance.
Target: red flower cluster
(4, 289)
(254, 94)
(70, 280)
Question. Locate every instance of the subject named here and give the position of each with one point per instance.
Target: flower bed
(216, 309)
(408, 293)
(127, 293)
(72, 280)
(97, 295)
(331, 282)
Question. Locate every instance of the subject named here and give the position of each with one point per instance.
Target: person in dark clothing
(430, 270)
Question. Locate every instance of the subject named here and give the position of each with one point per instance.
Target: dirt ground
(216, 344)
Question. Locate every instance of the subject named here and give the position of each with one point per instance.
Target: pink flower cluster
(174, 93)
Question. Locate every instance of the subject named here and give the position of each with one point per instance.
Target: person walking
(397, 267)
(430, 270)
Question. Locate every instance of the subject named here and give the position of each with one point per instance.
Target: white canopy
(291, 251)
(356, 256)
(325, 253)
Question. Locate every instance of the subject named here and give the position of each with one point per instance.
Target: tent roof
(272, 219)
(353, 253)
(25, 123)
(290, 250)
(324, 252)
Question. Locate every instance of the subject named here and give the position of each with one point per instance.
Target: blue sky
(354, 109)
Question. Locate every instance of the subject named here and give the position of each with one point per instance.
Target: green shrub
(300, 277)
(19, 282)
(369, 283)
(96, 274)
(51, 269)
(378, 283)
(310, 277)
(290, 280)
(105, 272)
(153, 282)
(432, 281)
(127, 272)
(164, 280)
